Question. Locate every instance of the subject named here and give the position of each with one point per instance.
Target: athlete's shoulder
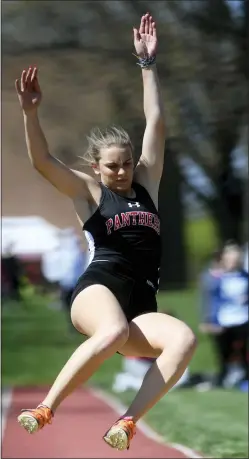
(141, 189)
(144, 195)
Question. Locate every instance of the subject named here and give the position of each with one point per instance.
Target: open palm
(145, 39)
(28, 90)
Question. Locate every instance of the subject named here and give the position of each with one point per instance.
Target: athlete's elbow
(34, 163)
(41, 165)
(38, 167)
(157, 121)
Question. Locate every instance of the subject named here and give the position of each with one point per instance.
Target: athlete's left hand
(145, 39)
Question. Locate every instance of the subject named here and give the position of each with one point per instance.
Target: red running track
(76, 431)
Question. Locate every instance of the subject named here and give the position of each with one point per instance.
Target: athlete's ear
(95, 167)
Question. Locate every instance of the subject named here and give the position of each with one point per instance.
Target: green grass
(214, 422)
(185, 305)
(200, 240)
(200, 235)
(33, 333)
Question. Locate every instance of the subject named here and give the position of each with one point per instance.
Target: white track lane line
(147, 431)
(5, 405)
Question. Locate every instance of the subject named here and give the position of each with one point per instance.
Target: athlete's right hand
(28, 90)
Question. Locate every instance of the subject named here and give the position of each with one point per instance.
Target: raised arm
(150, 165)
(67, 181)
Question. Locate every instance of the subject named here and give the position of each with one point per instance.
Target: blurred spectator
(11, 274)
(133, 371)
(246, 258)
(230, 314)
(65, 265)
(73, 261)
(208, 281)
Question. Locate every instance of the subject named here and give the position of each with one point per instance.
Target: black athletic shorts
(134, 295)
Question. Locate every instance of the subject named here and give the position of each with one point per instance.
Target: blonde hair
(112, 135)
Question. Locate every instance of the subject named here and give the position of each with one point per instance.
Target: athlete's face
(115, 167)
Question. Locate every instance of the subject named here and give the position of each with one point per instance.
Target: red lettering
(141, 220)
(133, 214)
(109, 225)
(125, 219)
(117, 223)
(150, 219)
(129, 218)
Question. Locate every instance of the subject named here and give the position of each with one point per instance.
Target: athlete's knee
(112, 337)
(185, 340)
(189, 339)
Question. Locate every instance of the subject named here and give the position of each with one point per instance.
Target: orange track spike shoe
(35, 419)
(121, 433)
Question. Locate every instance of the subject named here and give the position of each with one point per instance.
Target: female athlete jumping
(114, 302)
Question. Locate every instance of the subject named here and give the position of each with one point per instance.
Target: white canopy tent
(27, 236)
(35, 237)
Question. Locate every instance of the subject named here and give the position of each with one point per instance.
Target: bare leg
(162, 336)
(82, 364)
(96, 313)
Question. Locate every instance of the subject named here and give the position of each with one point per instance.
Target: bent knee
(182, 341)
(186, 340)
(113, 337)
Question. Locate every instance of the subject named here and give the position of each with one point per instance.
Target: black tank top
(128, 230)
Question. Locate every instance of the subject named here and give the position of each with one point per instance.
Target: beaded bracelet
(145, 62)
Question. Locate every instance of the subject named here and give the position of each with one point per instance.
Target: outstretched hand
(145, 38)
(28, 90)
